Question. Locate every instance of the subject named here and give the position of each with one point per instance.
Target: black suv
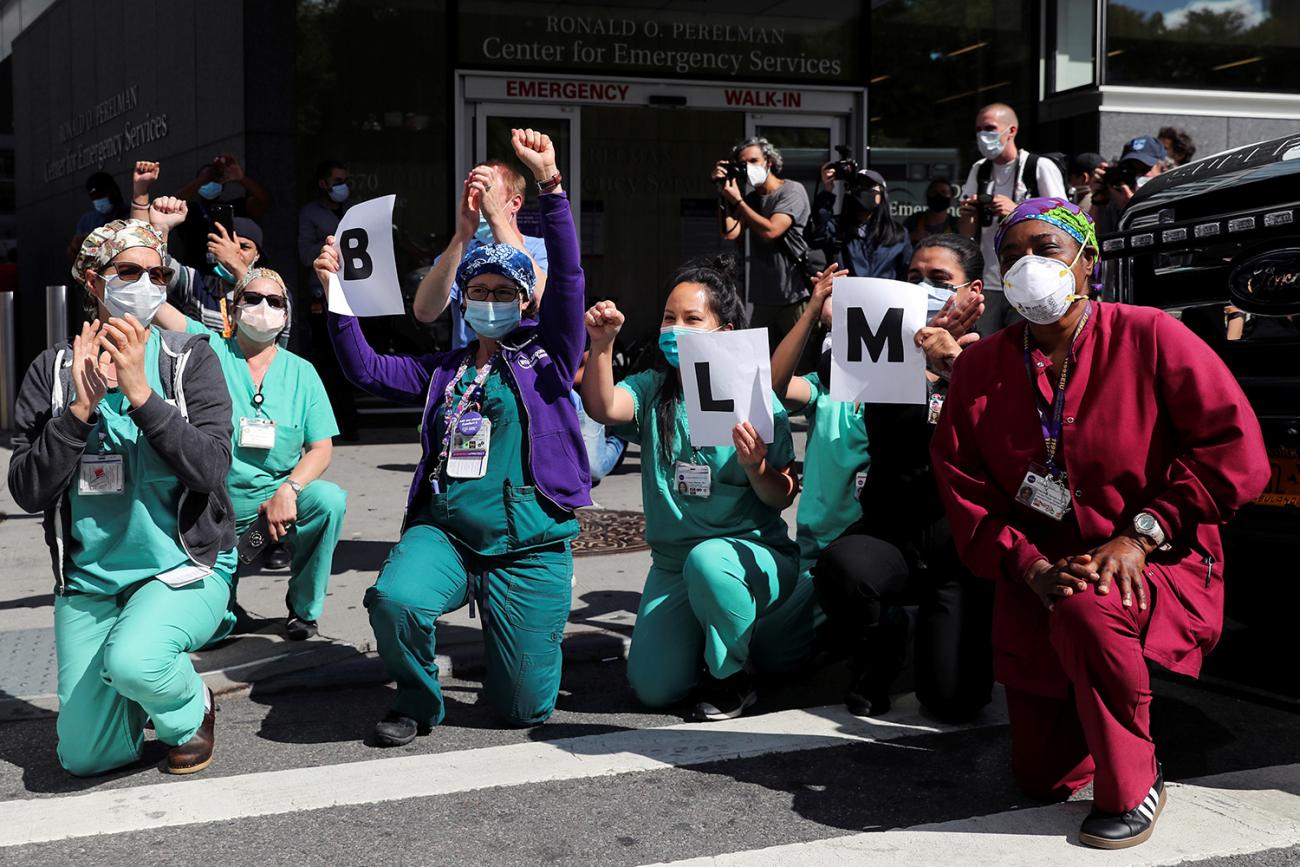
(1217, 244)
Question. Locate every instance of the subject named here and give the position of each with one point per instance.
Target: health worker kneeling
(490, 515)
(1086, 460)
(283, 429)
(123, 441)
(725, 592)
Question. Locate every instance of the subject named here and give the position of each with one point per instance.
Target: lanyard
(453, 416)
(1051, 424)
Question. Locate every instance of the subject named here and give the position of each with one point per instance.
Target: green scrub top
(676, 523)
(121, 539)
(501, 513)
(293, 396)
(836, 453)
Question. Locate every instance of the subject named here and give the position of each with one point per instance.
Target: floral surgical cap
(1060, 213)
(105, 243)
(509, 262)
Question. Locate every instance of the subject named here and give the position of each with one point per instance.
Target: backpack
(1028, 173)
(175, 355)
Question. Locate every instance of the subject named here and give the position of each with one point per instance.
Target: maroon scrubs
(1153, 421)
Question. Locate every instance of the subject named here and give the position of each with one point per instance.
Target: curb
(338, 664)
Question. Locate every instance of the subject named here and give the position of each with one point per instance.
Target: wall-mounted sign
(819, 46)
(593, 90)
(115, 138)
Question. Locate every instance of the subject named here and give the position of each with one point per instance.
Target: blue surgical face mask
(492, 319)
(483, 234)
(668, 341)
(339, 193)
(104, 205)
(211, 190)
(937, 295)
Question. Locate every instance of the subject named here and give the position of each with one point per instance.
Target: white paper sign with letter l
(874, 358)
(366, 283)
(726, 379)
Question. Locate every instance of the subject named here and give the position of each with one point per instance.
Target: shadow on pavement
(43, 600)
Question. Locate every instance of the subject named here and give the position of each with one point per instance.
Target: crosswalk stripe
(211, 799)
(1218, 816)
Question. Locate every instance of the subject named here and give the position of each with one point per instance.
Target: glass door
(492, 125)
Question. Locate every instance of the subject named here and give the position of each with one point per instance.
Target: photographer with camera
(774, 212)
(864, 235)
(1005, 176)
(1142, 159)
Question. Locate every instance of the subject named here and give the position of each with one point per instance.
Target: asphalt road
(634, 805)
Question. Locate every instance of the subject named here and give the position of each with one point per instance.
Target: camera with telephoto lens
(846, 167)
(736, 171)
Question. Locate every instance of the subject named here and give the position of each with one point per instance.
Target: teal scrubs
(836, 453)
(495, 543)
(725, 587)
(121, 637)
(294, 397)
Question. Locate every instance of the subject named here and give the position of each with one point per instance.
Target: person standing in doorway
(774, 213)
(1005, 175)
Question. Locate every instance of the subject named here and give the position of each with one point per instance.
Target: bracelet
(549, 185)
(145, 205)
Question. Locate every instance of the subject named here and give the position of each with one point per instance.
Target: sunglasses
(159, 275)
(252, 299)
(483, 293)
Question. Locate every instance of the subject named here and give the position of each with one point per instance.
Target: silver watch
(1146, 525)
(297, 488)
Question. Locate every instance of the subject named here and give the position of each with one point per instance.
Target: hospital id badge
(693, 480)
(936, 407)
(471, 443)
(859, 482)
(100, 474)
(1043, 493)
(256, 433)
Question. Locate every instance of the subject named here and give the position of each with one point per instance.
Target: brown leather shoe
(195, 754)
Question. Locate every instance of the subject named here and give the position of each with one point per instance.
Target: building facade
(641, 97)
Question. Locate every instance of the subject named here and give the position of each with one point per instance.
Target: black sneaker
(396, 730)
(277, 556)
(727, 698)
(1122, 830)
(867, 696)
(297, 629)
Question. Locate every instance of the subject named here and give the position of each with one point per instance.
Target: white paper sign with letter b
(366, 282)
(726, 379)
(874, 358)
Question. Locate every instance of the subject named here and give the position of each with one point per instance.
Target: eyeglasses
(159, 275)
(487, 293)
(252, 299)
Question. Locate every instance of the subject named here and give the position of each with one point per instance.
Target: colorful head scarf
(1060, 213)
(502, 259)
(260, 274)
(105, 243)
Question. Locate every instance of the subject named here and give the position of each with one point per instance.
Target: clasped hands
(1120, 561)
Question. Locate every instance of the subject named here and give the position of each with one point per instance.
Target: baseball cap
(1085, 162)
(1145, 149)
(874, 177)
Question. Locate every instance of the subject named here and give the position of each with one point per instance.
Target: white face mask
(1041, 288)
(989, 143)
(757, 173)
(261, 323)
(141, 299)
(1141, 181)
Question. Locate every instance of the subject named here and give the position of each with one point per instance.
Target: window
(1071, 30)
(1211, 44)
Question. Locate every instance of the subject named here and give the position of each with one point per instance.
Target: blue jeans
(603, 452)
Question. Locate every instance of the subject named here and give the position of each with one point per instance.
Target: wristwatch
(297, 488)
(1148, 527)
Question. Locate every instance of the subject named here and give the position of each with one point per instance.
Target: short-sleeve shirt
(293, 396)
(836, 453)
(676, 523)
(1008, 181)
(775, 278)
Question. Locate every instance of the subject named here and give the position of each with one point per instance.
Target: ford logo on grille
(1268, 283)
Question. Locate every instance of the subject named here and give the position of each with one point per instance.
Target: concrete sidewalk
(376, 472)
